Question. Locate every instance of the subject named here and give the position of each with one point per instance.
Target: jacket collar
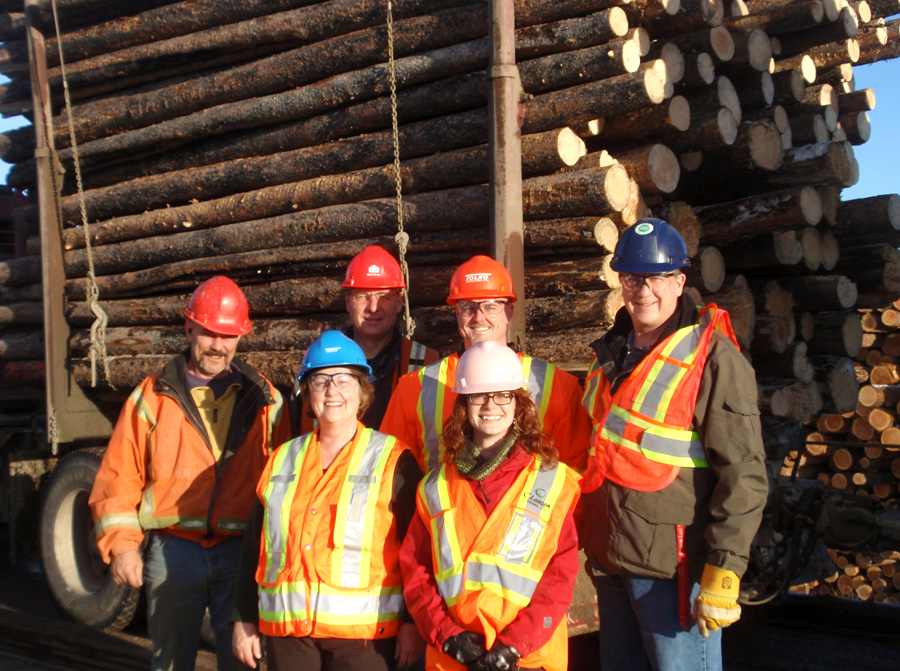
(611, 347)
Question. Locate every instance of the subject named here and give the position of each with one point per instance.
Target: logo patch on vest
(536, 499)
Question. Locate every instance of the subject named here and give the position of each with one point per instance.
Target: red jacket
(551, 597)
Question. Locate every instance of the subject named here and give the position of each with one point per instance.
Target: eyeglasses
(635, 282)
(489, 308)
(500, 398)
(365, 297)
(341, 381)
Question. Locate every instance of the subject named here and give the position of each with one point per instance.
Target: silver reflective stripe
(277, 505)
(428, 399)
(432, 496)
(592, 383)
(537, 376)
(675, 448)
(543, 482)
(451, 586)
(614, 424)
(494, 575)
(291, 598)
(416, 356)
(667, 373)
(362, 495)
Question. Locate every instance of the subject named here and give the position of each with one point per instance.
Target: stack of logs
(253, 138)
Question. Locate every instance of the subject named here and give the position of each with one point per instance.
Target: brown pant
(288, 653)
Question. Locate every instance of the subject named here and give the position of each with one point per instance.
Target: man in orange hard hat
(482, 295)
(373, 284)
(180, 474)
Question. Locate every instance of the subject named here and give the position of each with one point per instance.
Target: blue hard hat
(333, 348)
(650, 246)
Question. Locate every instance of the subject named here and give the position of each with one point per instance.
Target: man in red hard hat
(482, 295)
(372, 295)
(676, 482)
(177, 481)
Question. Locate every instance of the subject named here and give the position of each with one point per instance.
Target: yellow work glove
(716, 605)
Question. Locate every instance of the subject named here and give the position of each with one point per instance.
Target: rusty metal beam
(507, 236)
(71, 415)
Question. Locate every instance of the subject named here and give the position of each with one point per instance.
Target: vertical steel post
(507, 236)
(71, 415)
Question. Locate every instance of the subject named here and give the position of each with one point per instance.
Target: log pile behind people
(255, 139)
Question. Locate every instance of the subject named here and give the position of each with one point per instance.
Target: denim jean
(640, 630)
(182, 579)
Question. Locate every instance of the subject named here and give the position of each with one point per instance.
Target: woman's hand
(410, 645)
(245, 643)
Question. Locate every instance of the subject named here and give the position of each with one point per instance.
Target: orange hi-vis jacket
(328, 565)
(423, 402)
(487, 567)
(159, 472)
(644, 434)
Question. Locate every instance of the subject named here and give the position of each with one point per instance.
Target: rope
(402, 237)
(98, 328)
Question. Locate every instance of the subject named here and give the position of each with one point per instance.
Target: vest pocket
(522, 538)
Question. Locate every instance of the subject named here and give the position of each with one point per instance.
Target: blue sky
(877, 157)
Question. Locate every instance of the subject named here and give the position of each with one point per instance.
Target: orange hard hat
(220, 306)
(479, 278)
(373, 268)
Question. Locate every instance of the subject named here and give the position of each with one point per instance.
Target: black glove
(466, 647)
(500, 658)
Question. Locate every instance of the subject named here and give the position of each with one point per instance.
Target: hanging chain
(98, 328)
(402, 237)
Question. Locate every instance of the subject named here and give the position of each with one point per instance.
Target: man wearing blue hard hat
(676, 479)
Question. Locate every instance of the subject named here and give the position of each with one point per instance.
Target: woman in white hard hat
(489, 562)
(319, 572)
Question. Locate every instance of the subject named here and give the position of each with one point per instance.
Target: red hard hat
(479, 278)
(220, 306)
(373, 268)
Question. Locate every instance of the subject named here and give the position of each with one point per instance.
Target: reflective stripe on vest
(433, 379)
(416, 360)
(507, 571)
(436, 384)
(288, 601)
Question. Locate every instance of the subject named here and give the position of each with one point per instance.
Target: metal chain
(92, 291)
(402, 237)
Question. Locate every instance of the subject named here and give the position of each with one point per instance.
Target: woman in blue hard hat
(320, 574)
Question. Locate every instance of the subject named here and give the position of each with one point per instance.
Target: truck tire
(78, 579)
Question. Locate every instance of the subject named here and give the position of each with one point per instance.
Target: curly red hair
(458, 431)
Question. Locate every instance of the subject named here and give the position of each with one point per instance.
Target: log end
(760, 48)
(618, 21)
(722, 44)
(680, 113)
(664, 168)
(765, 145)
(810, 205)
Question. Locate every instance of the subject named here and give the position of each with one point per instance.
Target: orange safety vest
(487, 567)
(329, 564)
(644, 438)
(437, 398)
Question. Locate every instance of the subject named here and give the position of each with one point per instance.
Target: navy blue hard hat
(330, 349)
(650, 246)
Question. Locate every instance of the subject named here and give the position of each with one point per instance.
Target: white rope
(402, 237)
(98, 328)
